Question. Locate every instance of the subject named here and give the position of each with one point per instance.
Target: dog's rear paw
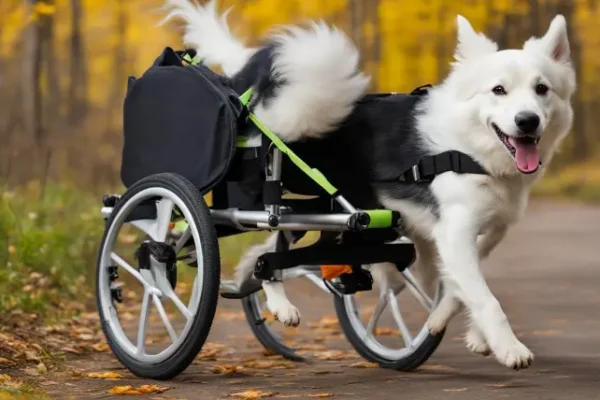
(285, 312)
(436, 323)
(476, 343)
(515, 355)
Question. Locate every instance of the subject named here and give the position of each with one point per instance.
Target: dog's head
(518, 101)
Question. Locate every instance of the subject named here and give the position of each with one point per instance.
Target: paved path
(546, 275)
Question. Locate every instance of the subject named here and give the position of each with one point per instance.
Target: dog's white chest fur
(493, 202)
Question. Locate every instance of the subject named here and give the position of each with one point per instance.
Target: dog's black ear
(471, 45)
(554, 44)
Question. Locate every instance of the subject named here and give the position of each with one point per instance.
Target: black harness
(431, 166)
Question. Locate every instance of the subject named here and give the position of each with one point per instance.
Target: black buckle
(414, 175)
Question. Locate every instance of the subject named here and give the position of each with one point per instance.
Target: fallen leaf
(73, 350)
(252, 395)
(4, 361)
(4, 378)
(100, 347)
(147, 389)
(41, 368)
(320, 395)
(49, 383)
(32, 356)
(226, 369)
(269, 364)
(144, 389)
(104, 375)
(455, 390)
(288, 396)
(387, 332)
(31, 371)
(76, 373)
(334, 355)
(326, 322)
(122, 390)
(363, 364)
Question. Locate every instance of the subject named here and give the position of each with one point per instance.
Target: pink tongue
(527, 156)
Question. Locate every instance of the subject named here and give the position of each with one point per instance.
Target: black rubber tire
(406, 364)
(262, 333)
(198, 333)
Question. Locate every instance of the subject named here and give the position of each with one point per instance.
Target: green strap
(313, 173)
(193, 61)
(245, 98)
(378, 218)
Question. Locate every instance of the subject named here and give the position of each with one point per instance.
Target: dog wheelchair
(161, 237)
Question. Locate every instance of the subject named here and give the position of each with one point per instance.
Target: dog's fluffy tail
(307, 85)
(317, 81)
(207, 32)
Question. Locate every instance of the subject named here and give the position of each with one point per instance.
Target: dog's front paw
(285, 312)
(476, 343)
(514, 355)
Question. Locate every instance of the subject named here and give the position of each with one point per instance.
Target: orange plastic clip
(333, 271)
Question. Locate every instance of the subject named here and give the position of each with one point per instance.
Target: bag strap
(170, 57)
(429, 167)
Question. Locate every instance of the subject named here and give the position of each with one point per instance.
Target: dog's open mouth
(523, 149)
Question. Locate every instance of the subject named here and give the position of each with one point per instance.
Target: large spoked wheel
(389, 329)
(157, 286)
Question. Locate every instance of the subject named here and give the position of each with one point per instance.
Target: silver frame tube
(303, 222)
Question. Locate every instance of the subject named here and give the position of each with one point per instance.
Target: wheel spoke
(163, 284)
(123, 264)
(183, 239)
(417, 291)
(195, 291)
(165, 318)
(164, 211)
(393, 300)
(379, 308)
(143, 323)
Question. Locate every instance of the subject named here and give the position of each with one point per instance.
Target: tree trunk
(120, 60)
(356, 19)
(372, 50)
(77, 96)
(50, 107)
(534, 18)
(581, 149)
(440, 46)
(31, 77)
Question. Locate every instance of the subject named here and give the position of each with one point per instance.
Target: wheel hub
(163, 254)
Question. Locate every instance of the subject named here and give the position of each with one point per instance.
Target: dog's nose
(527, 121)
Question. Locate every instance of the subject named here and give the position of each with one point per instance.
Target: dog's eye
(541, 89)
(499, 90)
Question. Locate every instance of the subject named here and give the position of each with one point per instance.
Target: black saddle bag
(182, 119)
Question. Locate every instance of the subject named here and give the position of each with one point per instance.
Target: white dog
(508, 110)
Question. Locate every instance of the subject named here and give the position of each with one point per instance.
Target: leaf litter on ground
(252, 395)
(104, 375)
(140, 390)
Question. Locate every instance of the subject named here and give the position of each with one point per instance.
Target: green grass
(48, 242)
(49, 239)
